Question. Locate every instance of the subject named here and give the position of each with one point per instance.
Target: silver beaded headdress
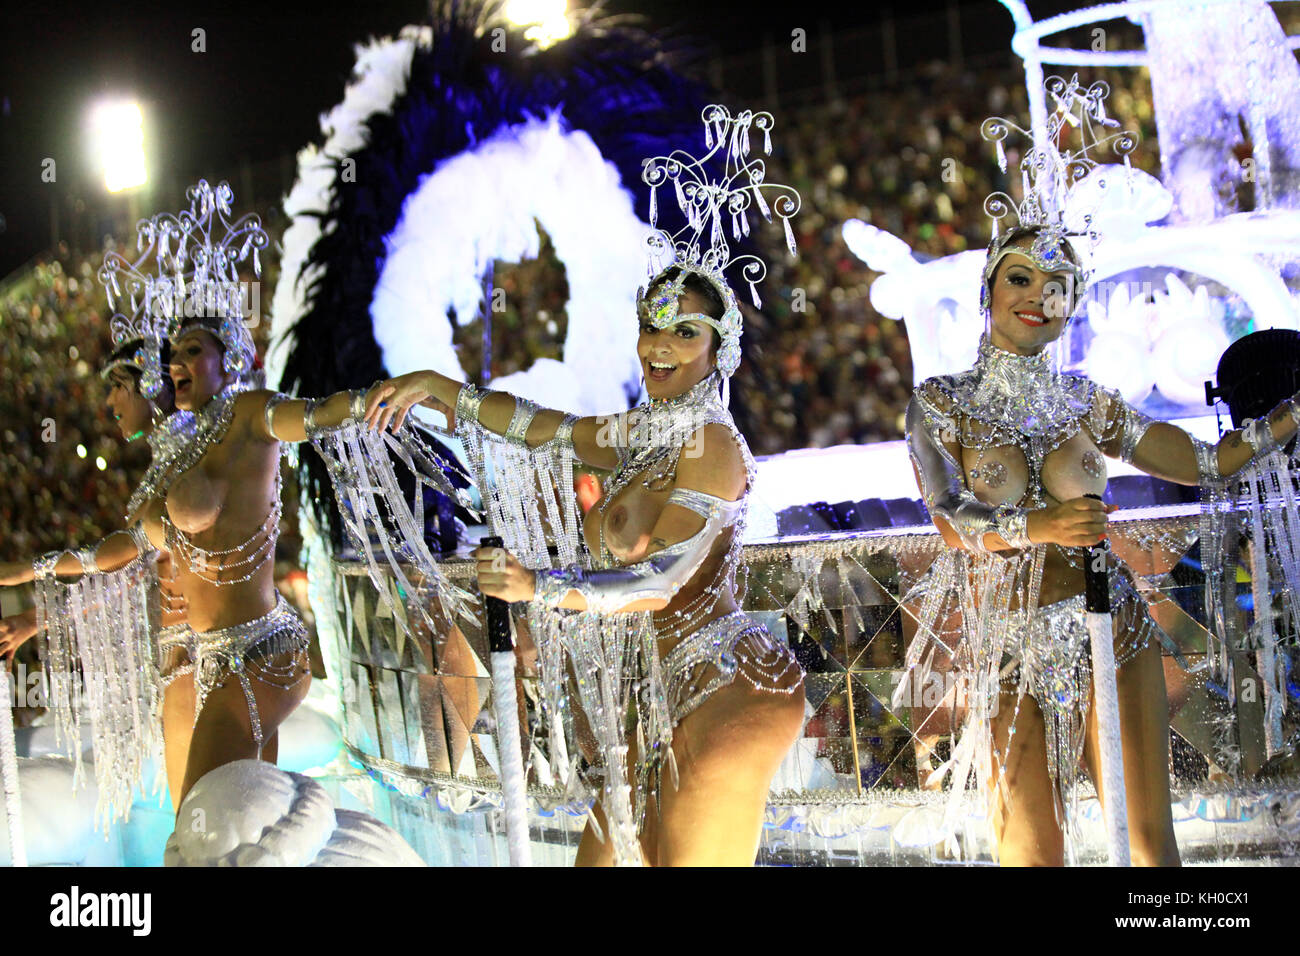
(188, 268)
(1048, 175)
(700, 247)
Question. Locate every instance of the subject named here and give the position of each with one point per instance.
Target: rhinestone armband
(1011, 525)
(140, 537)
(357, 409)
(1207, 461)
(272, 403)
(525, 412)
(468, 401)
(552, 586)
(1258, 434)
(43, 567)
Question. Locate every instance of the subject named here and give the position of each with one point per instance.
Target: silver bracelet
(524, 413)
(309, 419)
(1258, 434)
(357, 410)
(272, 404)
(468, 401)
(1011, 524)
(43, 567)
(553, 586)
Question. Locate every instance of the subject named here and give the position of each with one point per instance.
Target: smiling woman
(649, 606)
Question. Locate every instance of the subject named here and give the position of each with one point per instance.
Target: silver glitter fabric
(1050, 661)
(731, 645)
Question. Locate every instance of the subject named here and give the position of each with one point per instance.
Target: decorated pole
(1096, 576)
(514, 788)
(9, 772)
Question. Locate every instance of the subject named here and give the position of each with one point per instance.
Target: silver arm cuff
(658, 577)
(1133, 425)
(468, 401)
(140, 537)
(1258, 434)
(357, 408)
(1207, 461)
(272, 403)
(946, 495)
(87, 558)
(43, 567)
(517, 431)
(356, 412)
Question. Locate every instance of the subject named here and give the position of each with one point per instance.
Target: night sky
(270, 68)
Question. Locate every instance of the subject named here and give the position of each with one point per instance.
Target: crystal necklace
(180, 441)
(656, 432)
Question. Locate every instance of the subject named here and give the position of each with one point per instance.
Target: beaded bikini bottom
(735, 645)
(1051, 661)
(246, 651)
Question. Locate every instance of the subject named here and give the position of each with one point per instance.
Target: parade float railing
(418, 713)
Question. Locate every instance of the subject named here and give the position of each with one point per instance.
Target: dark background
(271, 68)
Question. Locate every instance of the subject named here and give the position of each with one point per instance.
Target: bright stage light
(100, 463)
(118, 130)
(547, 20)
(81, 451)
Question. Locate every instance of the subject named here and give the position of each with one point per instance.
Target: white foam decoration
(486, 204)
(309, 738)
(379, 77)
(250, 813)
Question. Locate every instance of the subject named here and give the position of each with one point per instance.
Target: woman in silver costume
(135, 417)
(211, 500)
(1005, 454)
(665, 537)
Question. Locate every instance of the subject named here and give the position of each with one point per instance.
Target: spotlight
(118, 131)
(547, 20)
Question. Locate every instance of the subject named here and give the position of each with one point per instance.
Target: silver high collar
(180, 441)
(1022, 392)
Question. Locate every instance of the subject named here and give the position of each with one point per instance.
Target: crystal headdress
(1049, 174)
(701, 247)
(188, 267)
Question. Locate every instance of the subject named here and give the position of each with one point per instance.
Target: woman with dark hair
(211, 500)
(649, 607)
(1007, 455)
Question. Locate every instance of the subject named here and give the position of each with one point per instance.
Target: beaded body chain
(251, 553)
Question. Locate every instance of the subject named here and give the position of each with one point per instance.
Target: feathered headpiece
(1049, 174)
(700, 247)
(188, 268)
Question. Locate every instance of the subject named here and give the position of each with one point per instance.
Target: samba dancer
(720, 700)
(1005, 454)
(210, 499)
